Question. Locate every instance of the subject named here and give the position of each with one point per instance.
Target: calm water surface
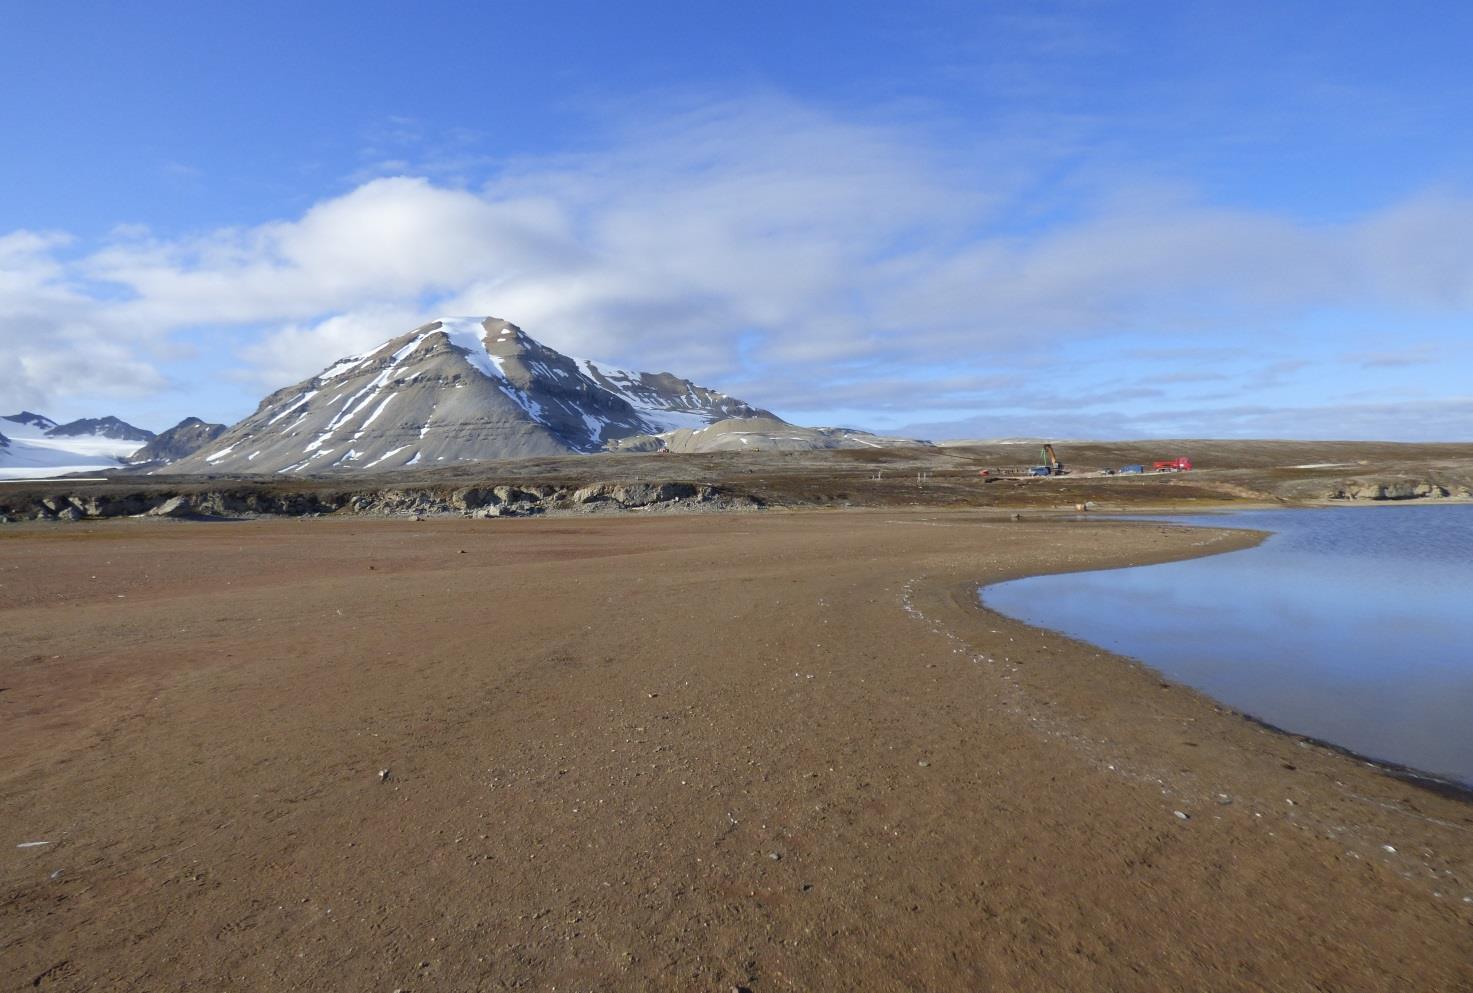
(1353, 625)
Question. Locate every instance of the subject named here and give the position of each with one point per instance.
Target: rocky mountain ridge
(101, 427)
(458, 390)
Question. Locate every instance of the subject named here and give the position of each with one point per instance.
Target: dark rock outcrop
(503, 500)
(1396, 489)
(183, 439)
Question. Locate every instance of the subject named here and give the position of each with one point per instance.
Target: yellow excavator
(1051, 465)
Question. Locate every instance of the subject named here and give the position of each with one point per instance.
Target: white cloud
(47, 337)
(729, 242)
(293, 352)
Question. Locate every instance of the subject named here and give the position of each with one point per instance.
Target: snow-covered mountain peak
(452, 390)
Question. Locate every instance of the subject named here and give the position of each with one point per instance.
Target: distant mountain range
(458, 389)
(34, 446)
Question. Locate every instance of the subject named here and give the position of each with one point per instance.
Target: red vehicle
(1182, 464)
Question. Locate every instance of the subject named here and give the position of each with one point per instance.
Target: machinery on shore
(1051, 465)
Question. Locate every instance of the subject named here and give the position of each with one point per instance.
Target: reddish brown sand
(774, 752)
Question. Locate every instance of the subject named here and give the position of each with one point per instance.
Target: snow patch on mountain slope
(467, 333)
(627, 386)
(352, 405)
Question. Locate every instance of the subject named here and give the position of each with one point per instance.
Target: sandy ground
(770, 752)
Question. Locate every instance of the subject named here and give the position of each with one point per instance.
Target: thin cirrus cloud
(759, 242)
(1440, 418)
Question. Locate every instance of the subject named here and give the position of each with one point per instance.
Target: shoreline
(1433, 782)
(776, 750)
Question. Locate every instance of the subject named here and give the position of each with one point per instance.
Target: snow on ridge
(342, 366)
(469, 333)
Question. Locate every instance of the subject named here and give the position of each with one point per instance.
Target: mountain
(181, 440)
(758, 434)
(37, 446)
(455, 390)
(100, 427)
(27, 419)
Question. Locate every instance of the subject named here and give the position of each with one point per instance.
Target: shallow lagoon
(1352, 625)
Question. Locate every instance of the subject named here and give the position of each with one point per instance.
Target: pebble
(1388, 848)
(1182, 815)
(383, 775)
(775, 856)
(923, 763)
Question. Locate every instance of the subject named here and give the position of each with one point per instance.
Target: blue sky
(964, 219)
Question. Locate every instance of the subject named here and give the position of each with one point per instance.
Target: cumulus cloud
(758, 242)
(48, 329)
